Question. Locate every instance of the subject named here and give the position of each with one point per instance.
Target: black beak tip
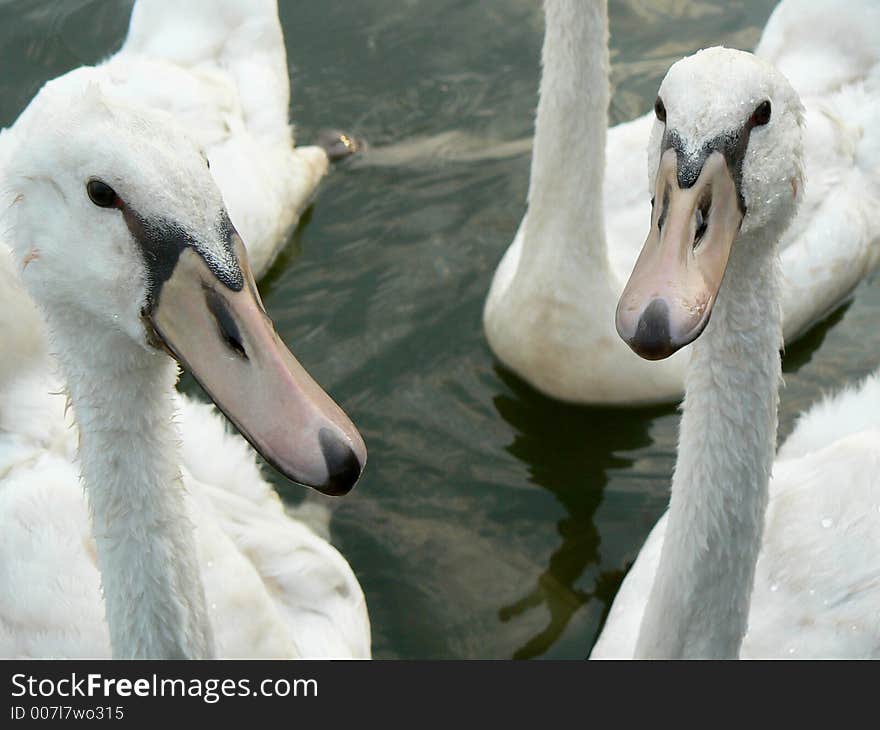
(343, 467)
(651, 339)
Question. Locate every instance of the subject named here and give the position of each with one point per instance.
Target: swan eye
(761, 115)
(660, 110)
(101, 194)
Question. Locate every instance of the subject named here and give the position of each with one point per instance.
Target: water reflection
(569, 451)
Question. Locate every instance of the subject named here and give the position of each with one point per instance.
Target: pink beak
(229, 344)
(669, 297)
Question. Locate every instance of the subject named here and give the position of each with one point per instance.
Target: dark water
(492, 522)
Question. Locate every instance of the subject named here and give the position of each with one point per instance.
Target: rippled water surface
(491, 522)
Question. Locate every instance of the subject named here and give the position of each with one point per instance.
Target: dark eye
(101, 194)
(660, 110)
(761, 115)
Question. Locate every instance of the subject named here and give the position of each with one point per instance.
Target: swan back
(221, 69)
(242, 38)
(823, 45)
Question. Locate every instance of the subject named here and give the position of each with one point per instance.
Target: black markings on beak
(732, 145)
(161, 243)
(225, 322)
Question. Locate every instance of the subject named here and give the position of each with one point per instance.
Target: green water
(491, 522)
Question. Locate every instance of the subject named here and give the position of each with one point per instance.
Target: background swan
(549, 312)
(699, 581)
(271, 587)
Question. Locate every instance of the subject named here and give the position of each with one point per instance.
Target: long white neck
(565, 226)
(699, 602)
(122, 397)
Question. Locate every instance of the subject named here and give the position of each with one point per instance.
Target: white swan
(220, 67)
(122, 238)
(550, 310)
(728, 172)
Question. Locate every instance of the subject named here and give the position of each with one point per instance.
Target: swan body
(220, 68)
(549, 312)
(742, 563)
(176, 548)
(273, 588)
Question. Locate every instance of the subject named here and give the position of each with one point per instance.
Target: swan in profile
(742, 564)
(220, 68)
(550, 310)
(121, 237)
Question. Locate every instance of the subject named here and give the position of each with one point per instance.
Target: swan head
(725, 161)
(117, 224)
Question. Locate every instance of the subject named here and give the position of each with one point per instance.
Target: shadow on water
(569, 451)
(290, 253)
(801, 352)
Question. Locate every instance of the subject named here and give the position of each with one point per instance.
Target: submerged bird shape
(549, 315)
(742, 563)
(220, 68)
(121, 237)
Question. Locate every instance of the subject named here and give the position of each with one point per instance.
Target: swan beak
(668, 299)
(229, 344)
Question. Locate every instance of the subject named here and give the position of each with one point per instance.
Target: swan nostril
(225, 323)
(702, 220)
(701, 228)
(663, 210)
(235, 345)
